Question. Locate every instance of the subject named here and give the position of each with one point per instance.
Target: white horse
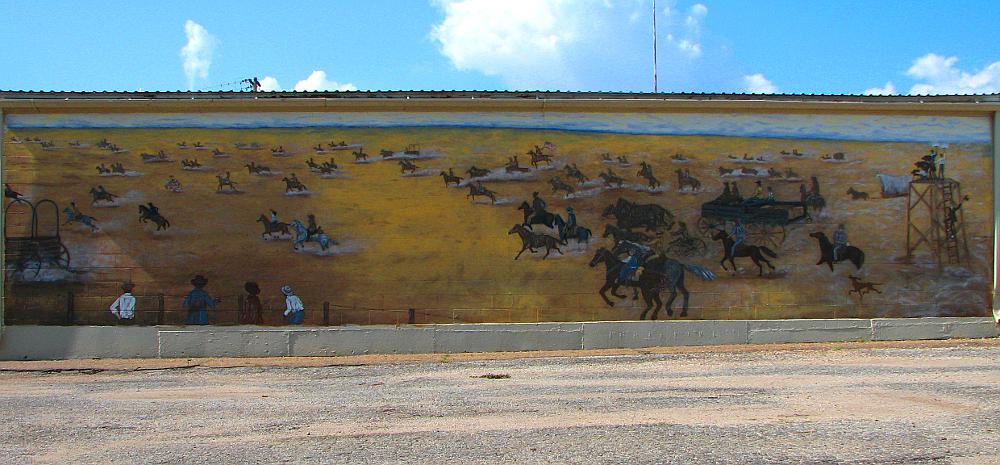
(302, 236)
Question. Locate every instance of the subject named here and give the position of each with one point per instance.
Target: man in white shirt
(124, 307)
(294, 310)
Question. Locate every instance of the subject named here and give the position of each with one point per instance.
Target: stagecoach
(43, 246)
(763, 221)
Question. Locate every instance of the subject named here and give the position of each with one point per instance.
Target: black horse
(580, 233)
(852, 253)
(660, 274)
(536, 217)
(755, 252)
(625, 235)
(630, 215)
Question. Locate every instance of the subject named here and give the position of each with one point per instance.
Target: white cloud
(197, 52)
(571, 44)
(688, 38)
(510, 38)
(269, 84)
(758, 84)
(318, 81)
(937, 74)
(888, 89)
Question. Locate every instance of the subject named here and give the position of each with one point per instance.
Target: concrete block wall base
(75, 342)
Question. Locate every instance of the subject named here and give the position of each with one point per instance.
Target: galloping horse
(755, 252)
(146, 214)
(532, 217)
(560, 185)
(101, 195)
(580, 233)
(660, 274)
(302, 236)
(852, 253)
(294, 184)
(531, 241)
(630, 215)
(623, 234)
(477, 188)
(87, 220)
(271, 229)
(647, 172)
(450, 178)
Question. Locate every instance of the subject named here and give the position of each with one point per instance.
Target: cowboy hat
(287, 290)
(199, 281)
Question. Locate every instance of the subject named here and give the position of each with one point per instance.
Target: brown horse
(755, 252)
(450, 178)
(531, 241)
(477, 188)
(272, 229)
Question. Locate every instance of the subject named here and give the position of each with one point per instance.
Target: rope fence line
(152, 309)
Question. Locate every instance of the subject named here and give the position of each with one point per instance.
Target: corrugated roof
(492, 94)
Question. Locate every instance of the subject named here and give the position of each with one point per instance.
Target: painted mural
(493, 217)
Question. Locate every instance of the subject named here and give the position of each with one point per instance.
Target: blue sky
(707, 46)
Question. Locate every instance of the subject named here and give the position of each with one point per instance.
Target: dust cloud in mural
(370, 218)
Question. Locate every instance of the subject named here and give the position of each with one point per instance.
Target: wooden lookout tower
(934, 219)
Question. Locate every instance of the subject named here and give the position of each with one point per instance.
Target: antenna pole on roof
(654, 47)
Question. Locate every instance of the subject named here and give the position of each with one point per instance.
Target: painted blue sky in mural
(890, 46)
(930, 129)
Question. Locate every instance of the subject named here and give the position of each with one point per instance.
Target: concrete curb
(77, 342)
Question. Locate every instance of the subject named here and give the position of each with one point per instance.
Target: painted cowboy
(197, 302)
(537, 204)
(839, 241)
(758, 192)
(76, 210)
(294, 310)
(312, 229)
(124, 306)
(631, 265)
(738, 235)
(274, 220)
(154, 211)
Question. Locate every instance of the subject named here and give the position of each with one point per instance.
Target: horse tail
(586, 234)
(768, 252)
(701, 272)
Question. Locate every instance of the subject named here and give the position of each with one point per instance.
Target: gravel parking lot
(906, 403)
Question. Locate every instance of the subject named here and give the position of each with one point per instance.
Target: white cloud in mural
(887, 89)
(269, 84)
(550, 44)
(937, 74)
(197, 52)
(758, 84)
(319, 81)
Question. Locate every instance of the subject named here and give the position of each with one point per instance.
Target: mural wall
(365, 218)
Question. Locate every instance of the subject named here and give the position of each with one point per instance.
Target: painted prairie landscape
(402, 237)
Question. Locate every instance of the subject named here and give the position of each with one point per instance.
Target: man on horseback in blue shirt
(274, 220)
(839, 241)
(570, 221)
(738, 236)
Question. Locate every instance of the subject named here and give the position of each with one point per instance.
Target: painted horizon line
(871, 128)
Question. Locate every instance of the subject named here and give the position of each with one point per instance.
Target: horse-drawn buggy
(763, 221)
(41, 246)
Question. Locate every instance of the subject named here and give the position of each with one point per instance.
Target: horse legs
(648, 298)
(685, 294)
(604, 288)
(522, 251)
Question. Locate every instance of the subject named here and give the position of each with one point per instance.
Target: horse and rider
(150, 212)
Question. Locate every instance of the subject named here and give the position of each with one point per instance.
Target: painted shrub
(370, 215)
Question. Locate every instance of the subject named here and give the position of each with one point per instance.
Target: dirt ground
(903, 402)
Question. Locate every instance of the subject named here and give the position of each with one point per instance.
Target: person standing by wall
(198, 302)
(251, 313)
(124, 306)
(294, 311)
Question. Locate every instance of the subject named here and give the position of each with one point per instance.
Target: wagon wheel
(62, 259)
(761, 234)
(708, 226)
